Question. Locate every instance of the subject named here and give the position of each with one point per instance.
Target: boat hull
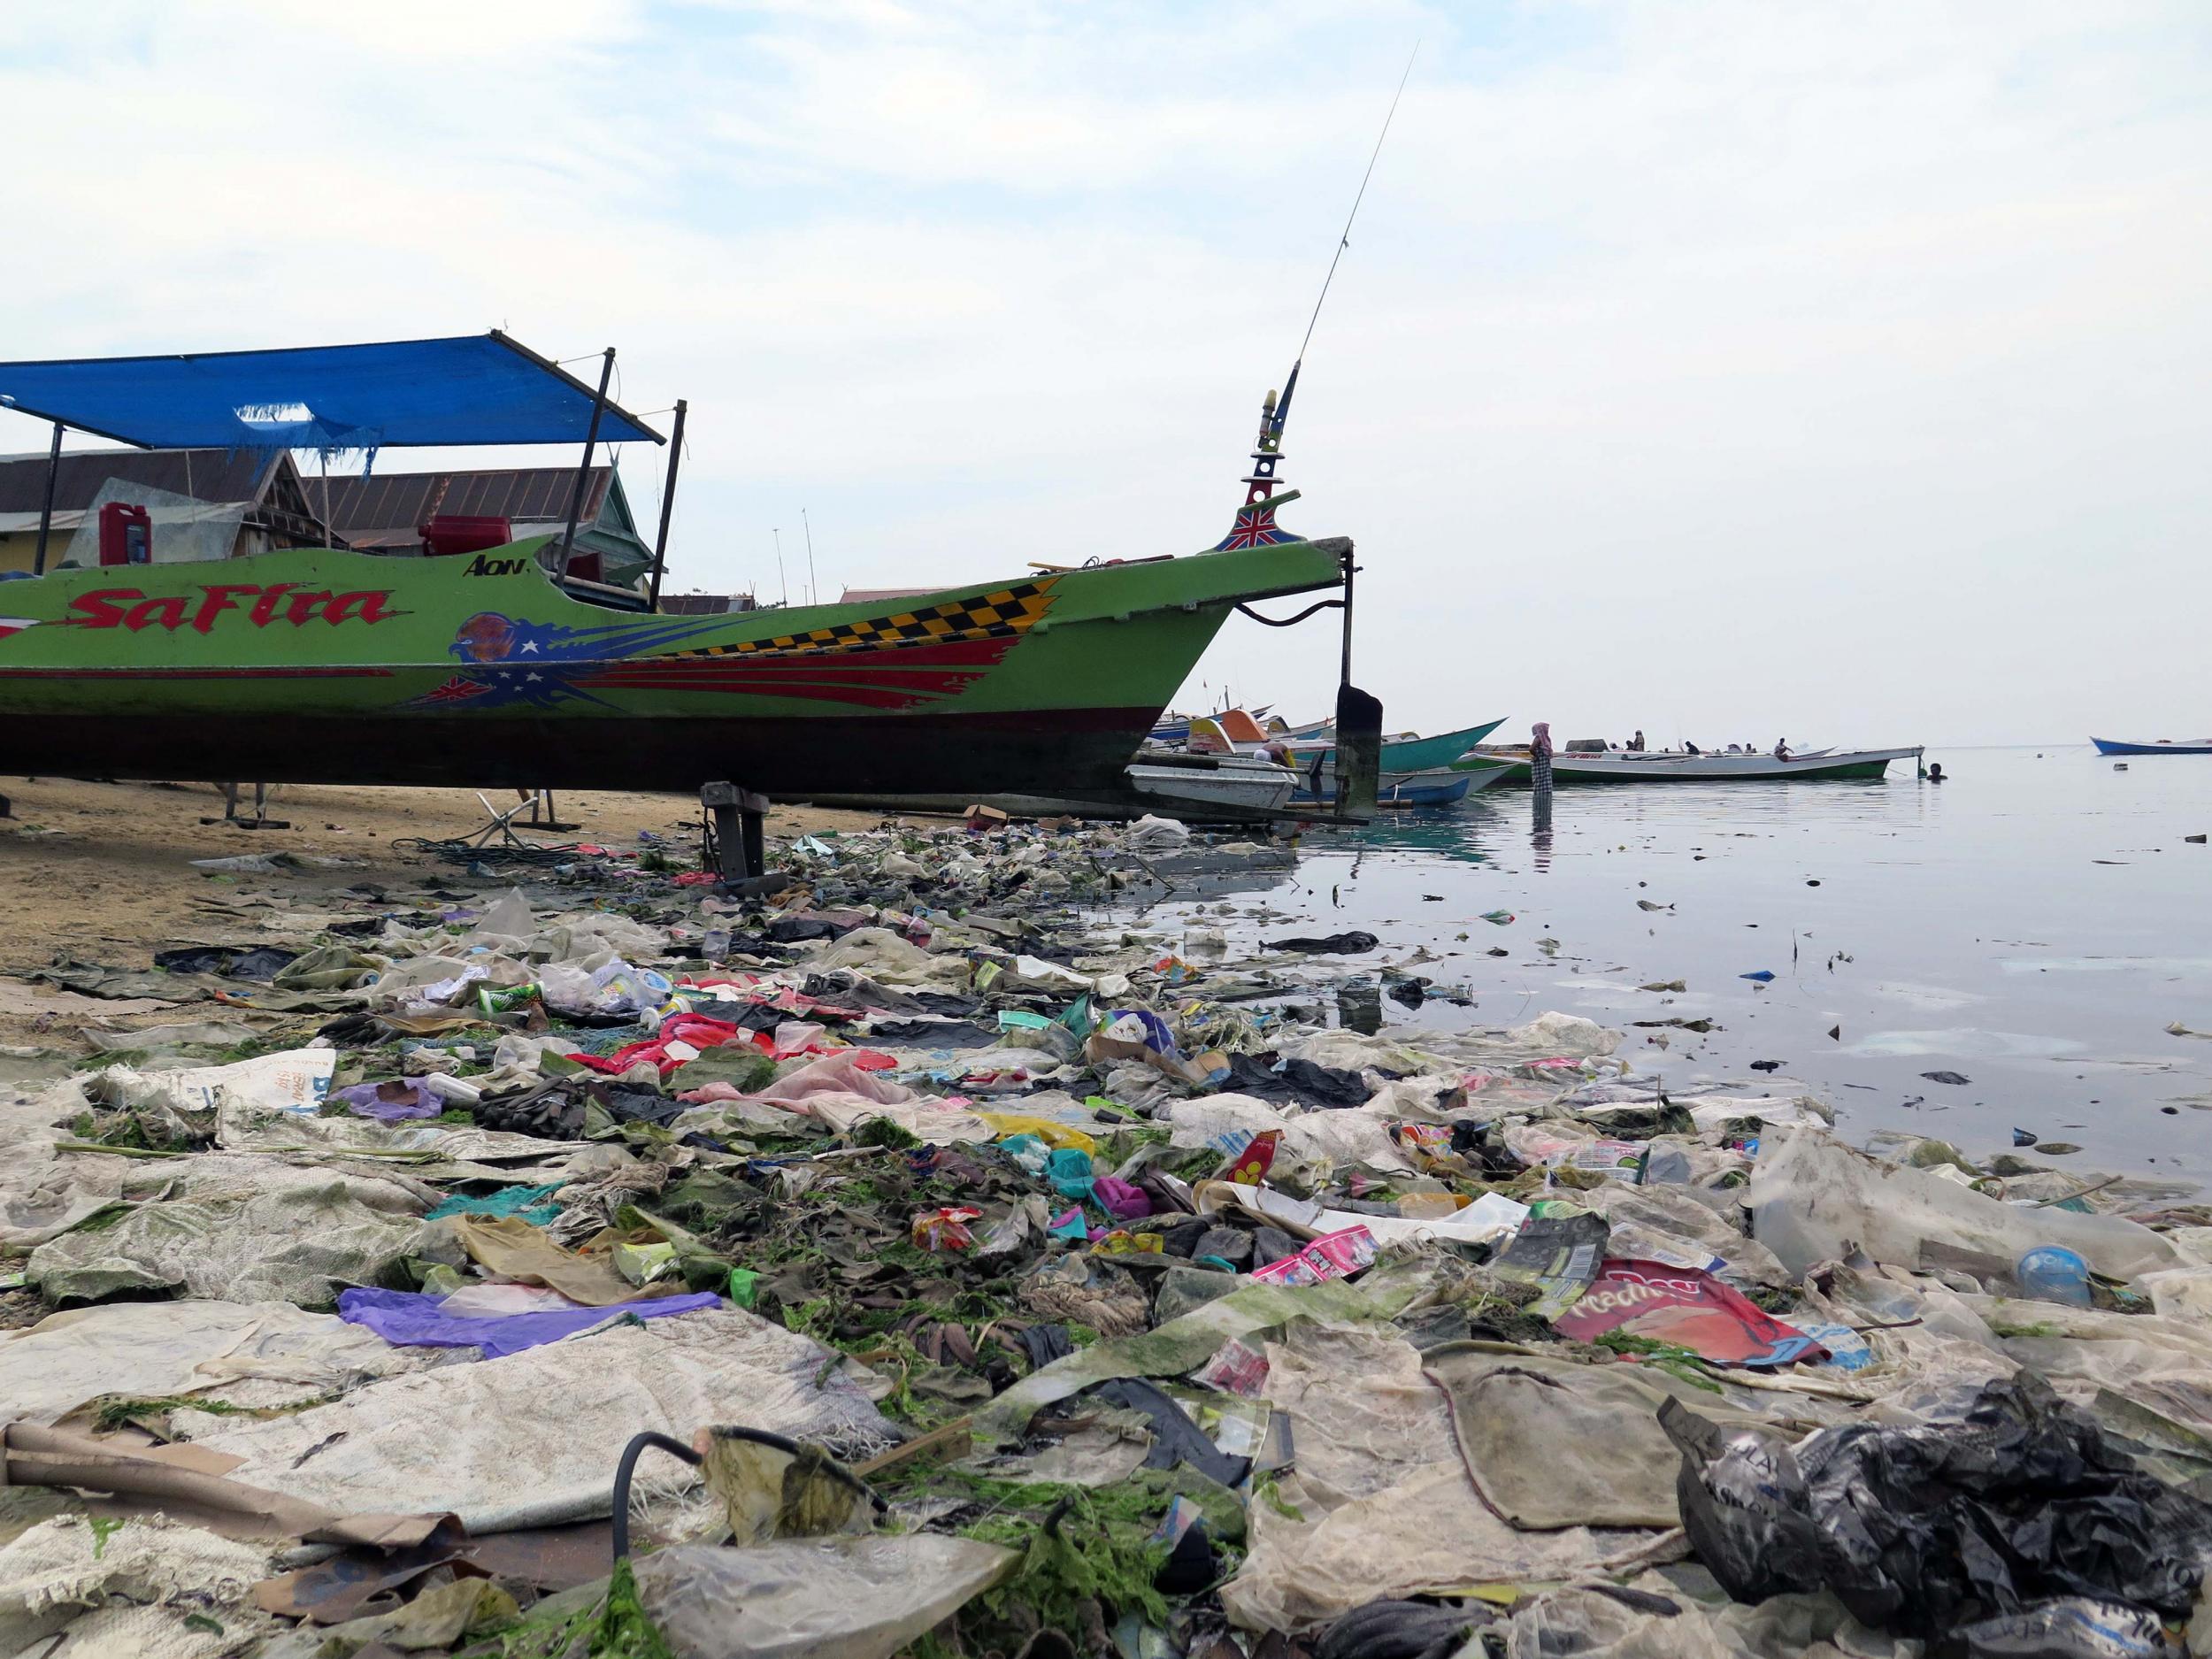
(1439, 785)
(1423, 754)
(329, 667)
(2113, 746)
(1581, 769)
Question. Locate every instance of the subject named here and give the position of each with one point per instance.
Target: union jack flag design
(1256, 526)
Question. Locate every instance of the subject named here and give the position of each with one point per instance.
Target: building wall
(17, 552)
(19, 549)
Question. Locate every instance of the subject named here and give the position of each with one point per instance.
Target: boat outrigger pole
(583, 472)
(668, 506)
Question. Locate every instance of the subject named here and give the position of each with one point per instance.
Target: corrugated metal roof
(384, 507)
(219, 475)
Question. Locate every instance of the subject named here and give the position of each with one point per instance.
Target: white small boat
(1241, 783)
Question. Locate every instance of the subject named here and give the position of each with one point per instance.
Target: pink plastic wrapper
(1332, 1255)
(1235, 1370)
(1689, 1307)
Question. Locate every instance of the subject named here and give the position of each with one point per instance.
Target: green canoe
(317, 665)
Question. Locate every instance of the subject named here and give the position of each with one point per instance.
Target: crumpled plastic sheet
(1388, 1505)
(1690, 1223)
(1182, 1345)
(839, 1093)
(256, 1353)
(130, 1592)
(1931, 1348)
(242, 1125)
(1813, 1199)
(1551, 1442)
(1353, 1136)
(1656, 1621)
(296, 1244)
(531, 1440)
(2163, 1363)
(888, 959)
(814, 1598)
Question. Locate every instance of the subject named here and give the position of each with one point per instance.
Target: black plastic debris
(1743, 1498)
(1175, 1438)
(1930, 1530)
(260, 963)
(1349, 944)
(1300, 1080)
(552, 1111)
(1399, 1629)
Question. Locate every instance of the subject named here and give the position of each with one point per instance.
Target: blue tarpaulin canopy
(475, 390)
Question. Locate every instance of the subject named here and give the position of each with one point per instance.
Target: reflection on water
(2047, 908)
(1359, 1006)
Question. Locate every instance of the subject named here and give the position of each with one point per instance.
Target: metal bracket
(736, 834)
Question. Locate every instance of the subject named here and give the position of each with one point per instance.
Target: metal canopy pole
(46, 512)
(668, 504)
(583, 472)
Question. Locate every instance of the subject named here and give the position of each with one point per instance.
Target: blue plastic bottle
(2050, 1272)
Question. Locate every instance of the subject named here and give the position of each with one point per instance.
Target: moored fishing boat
(324, 664)
(1667, 766)
(2163, 746)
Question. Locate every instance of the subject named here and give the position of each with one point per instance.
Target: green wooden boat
(323, 665)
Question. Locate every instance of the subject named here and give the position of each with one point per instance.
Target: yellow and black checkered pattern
(999, 615)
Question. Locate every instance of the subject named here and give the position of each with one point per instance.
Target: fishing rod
(813, 589)
(1358, 750)
(1343, 240)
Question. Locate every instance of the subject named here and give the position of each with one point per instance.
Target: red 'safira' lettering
(368, 606)
(103, 608)
(265, 608)
(129, 607)
(168, 613)
(216, 600)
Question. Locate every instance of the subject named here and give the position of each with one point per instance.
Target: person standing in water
(1539, 775)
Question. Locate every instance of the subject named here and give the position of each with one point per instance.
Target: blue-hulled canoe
(2113, 746)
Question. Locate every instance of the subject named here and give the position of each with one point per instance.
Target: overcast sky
(1733, 370)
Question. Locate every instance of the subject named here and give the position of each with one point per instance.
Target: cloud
(1825, 369)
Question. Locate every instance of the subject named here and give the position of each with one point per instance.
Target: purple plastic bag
(410, 1318)
(1123, 1200)
(390, 1102)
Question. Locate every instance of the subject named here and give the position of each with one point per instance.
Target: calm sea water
(2034, 924)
